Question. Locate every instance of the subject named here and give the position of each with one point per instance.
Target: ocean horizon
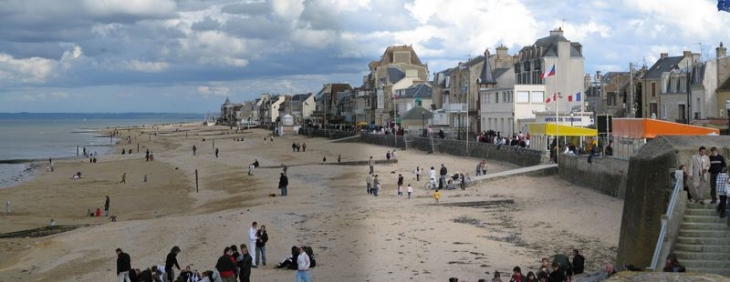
(26, 138)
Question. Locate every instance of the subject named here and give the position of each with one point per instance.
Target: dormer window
(527, 66)
(538, 65)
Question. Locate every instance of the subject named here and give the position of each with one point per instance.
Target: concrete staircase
(703, 244)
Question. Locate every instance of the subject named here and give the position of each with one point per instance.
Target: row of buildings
(541, 83)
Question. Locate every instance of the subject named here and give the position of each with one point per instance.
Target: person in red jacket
(226, 266)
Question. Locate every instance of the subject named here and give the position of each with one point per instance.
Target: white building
(502, 108)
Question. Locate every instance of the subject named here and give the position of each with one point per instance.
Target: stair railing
(678, 187)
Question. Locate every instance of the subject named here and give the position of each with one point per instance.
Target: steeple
(486, 76)
(227, 101)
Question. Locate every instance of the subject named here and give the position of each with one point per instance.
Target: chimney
(687, 54)
(663, 55)
(502, 51)
(721, 51)
(556, 32)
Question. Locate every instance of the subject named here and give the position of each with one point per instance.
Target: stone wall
(606, 175)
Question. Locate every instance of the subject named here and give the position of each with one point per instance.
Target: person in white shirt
(252, 241)
(432, 176)
(410, 190)
(303, 266)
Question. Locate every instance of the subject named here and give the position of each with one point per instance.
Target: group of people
(560, 270)
(234, 265)
(704, 169)
(296, 146)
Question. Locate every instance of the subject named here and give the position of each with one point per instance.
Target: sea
(29, 139)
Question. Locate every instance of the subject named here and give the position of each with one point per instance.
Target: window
(537, 97)
(653, 89)
(523, 97)
(505, 97)
(496, 98)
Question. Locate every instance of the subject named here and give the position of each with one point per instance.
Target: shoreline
(327, 208)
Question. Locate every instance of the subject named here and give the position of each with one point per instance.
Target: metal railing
(678, 187)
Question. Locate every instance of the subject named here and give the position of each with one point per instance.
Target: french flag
(549, 73)
(554, 98)
(577, 97)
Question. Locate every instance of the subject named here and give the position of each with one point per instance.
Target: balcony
(455, 108)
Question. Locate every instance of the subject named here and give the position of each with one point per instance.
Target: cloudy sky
(189, 55)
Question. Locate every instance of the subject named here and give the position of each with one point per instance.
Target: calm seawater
(43, 136)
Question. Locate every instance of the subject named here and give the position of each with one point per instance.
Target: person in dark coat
(225, 265)
(673, 265)
(578, 262)
(283, 183)
(171, 261)
(124, 265)
(558, 274)
(244, 265)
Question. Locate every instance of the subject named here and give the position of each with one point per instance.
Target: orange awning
(651, 128)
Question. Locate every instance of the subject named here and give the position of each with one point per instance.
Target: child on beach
(400, 190)
(437, 195)
(410, 190)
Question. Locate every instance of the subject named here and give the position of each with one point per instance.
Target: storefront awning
(651, 128)
(551, 129)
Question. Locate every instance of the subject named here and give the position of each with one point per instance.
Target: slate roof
(394, 74)
(486, 76)
(415, 114)
(421, 90)
(663, 65)
(300, 97)
(550, 46)
(497, 73)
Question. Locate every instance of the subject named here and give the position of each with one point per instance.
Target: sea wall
(604, 174)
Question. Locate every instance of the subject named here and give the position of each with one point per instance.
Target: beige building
(664, 90)
(302, 107)
(539, 58)
(398, 68)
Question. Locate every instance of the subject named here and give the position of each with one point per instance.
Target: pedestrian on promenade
(698, 167)
(124, 178)
(717, 163)
(124, 265)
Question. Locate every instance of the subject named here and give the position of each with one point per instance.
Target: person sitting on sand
(77, 175)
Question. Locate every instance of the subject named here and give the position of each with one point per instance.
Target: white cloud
(29, 70)
(208, 91)
(140, 66)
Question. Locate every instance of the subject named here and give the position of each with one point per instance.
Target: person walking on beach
(376, 185)
(437, 196)
(387, 155)
(171, 261)
(443, 173)
(124, 265)
(147, 155)
(432, 176)
(418, 174)
(7, 207)
(304, 146)
(194, 150)
(261, 238)
(106, 206)
(484, 167)
(303, 266)
(283, 183)
(216, 153)
(50, 162)
(124, 178)
(369, 182)
(252, 240)
(698, 167)
(400, 185)
(371, 163)
(410, 190)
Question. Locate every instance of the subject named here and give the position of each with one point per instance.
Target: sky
(188, 56)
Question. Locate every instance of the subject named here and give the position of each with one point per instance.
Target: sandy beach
(356, 237)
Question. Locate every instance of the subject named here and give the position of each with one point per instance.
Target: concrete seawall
(607, 174)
